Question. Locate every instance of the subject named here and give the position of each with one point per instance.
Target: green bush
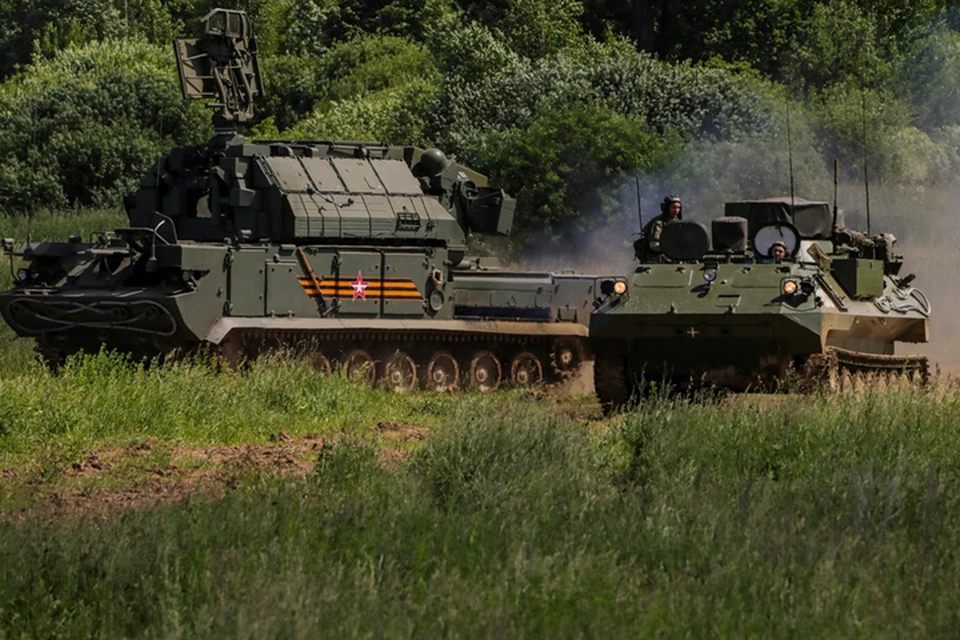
(370, 88)
(394, 115)
(692, 101)
(373, 63)
(851, 121)
(81, 129)
(569, 161)
(44, 27)
(930, 78)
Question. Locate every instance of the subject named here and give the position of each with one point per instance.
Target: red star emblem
(359, 287)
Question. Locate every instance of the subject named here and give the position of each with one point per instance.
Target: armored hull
(370, 270)
(733, 318)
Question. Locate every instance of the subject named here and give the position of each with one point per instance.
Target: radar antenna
(222, 65)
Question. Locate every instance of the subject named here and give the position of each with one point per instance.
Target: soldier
(671, 210)
(778, 252)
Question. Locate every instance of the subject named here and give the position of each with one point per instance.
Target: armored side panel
(860, 279)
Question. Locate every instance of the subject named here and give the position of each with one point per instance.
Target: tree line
(560, 101)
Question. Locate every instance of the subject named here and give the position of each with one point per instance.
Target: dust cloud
(925, 220)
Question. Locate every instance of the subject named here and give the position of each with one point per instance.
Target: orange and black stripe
(388, 288)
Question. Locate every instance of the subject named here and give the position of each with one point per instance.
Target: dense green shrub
(373, 63)
(82, 128)
(568, 161)
(395, 115)
(931, 79)
(692, 101)
(297, 85)
(854, 123)
(43, 27)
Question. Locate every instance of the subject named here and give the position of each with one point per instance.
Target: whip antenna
(793, 202)
(863, 144)
(836, 191)
(639, 206)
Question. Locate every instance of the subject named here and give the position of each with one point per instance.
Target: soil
(109, 480)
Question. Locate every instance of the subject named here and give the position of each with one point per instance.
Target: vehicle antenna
(836, 192)
(863, 144)
(793, 202)
(639, 205)
(29, 224)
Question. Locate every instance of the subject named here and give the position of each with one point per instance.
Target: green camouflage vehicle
(354, 251)
(730, 315)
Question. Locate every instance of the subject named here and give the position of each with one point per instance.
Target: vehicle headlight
(790, 287)
(619, 287)
(23, 275)
(710, 274)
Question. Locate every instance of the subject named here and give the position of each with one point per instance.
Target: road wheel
(611, 382)
(359, 366)
(485, 372)
(566, 357)
(321, 363)
(399, 373)
(443, 373)
(526, 370)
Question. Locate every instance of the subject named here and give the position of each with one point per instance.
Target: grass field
(513, 515)
(187, 501)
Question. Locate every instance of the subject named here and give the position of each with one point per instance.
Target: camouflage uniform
(651, 234)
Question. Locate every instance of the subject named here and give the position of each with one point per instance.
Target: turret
(304, 191)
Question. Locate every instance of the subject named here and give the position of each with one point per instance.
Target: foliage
(853, 122)
(296, 86)
(931, 79)
(568, 161)
(840, 43)
(81, 129)
(391, 115)
(373, 63)
(691, 101)
(46, 26)
(531, 28)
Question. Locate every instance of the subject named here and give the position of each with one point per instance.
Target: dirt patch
(289, 455)
(149, 475)
(401, 431)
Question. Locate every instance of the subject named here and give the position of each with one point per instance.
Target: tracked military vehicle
(778, 285)
(354, 251)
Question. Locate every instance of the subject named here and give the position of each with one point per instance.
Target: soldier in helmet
(777, 252)
(671, 210)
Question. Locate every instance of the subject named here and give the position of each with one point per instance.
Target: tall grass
(833, 518)
(104, 399)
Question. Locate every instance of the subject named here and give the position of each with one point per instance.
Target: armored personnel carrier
(354, 251)
(781, 286)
